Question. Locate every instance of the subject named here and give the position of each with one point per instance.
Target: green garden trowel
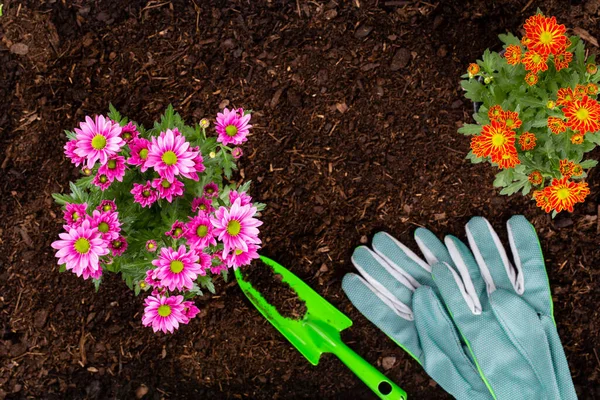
(318, 331)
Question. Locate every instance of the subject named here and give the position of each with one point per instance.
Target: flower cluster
(184, 224)
(536, 132)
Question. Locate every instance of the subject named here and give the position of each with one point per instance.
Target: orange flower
(495, 112)
(513, 54)
(531, 78)
(535, 178)
(577, 138)
(535, 62)
(494, 140)
(507, 160)
(576, 170)
(527, 141)
(583, 115)
(556, 125)
(592, 89)
(547, 37)
(566, 168)
(510, 119)
(542, 200)
(564, 96)
(533, 21)
(473, 69)
(562, 60)
(563, 194)
(591, 68)
(525, 42)
(579, 91)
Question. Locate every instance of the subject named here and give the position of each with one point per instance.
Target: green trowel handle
(375, 380)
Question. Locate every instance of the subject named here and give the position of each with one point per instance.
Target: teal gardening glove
(503, 314)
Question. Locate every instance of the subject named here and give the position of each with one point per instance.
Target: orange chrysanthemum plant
(537, 114)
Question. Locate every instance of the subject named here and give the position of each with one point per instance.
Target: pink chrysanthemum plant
(158, 206)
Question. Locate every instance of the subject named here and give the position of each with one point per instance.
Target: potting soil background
(356, 105)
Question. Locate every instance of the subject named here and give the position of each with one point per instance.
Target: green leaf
(473, 158)
(70, 135)
(62, 199)
(114, 114)
(97, 283)
(513, 187)
(474, 89)
(470, 129)
(225, 275)
(62, 268)
(85, 182)
(589, 164)
(509, 38)
(206, 282)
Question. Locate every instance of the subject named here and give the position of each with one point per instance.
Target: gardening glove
(505, 313)
(396, 292)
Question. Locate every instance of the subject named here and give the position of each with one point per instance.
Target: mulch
(356, 105)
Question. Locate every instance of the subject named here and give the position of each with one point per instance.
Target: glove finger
(380, 312)
(468, 269)
(401, 257)
(431, 247)
(454, 294)
(444, 355)
(532, 279)
(491, 256)
(391, 283)
(561, 367)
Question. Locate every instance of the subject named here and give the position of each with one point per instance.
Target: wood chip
(585, 35)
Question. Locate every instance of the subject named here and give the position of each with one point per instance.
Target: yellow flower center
(238, 252)
(234, 227)
(203, 207)
(99, 142)
(231, 130)
(563, 193)
(150, 245)
(546, 37)
(103, 179)
(202, 231)
(498, 140)
(536, 58)
(178, 232)
(103, 227)
(165, 183)
(146, 193)
(169, 158)
(176, 266)
(82, 245)
(164, 310)
(75, 216)
(582, 114)
(112, 164)
(510, 122)
(143, 154)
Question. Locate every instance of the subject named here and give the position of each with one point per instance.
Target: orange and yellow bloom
(535, 62)
(495, 113)
(591, 68)
(564, 96)
(566, 167)
(527, 141)
(545, 35)
(576, 170)
(494, 141)
(473, 70)
(556, 125)
(562, 60)
(563, 194)
(531, 79)
(583, 115)
(535, 178)
(513, 54)
(507, 160)
(591, 89)
(542, 201)
(510, 119)
(577, 138)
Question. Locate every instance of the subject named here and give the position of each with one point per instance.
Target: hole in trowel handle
(384, 388)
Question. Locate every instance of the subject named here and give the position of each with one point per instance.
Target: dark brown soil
(276, 292)
(357, 105)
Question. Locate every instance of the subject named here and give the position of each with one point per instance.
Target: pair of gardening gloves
(481, 326)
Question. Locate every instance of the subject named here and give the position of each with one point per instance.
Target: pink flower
(107, 206)
(219, 267)
(118, 245)
(177, 230)
(211, 190)
(237, 152)
(107, 224)
(177, 269)
(202, 205)
(190, 310)
(164, 313)
(129, 132)
(70, 153)
(233, 128)
(169, 154)
(114, 168)
(86, 171)
(243, 196)
(75, 214)
(198, 160)
(236, 227)
(144, 194)
(139, 153)
(151, 246)
(80, 250)
(239, 257)
(199, 232)
(102, 181)
(204, 259)
(167, 190)
(98, 139)
(151, 278)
